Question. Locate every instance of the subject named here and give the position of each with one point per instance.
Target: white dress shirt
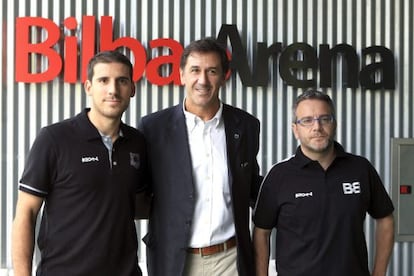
(213, 221)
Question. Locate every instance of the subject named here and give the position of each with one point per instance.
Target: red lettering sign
(164, 69)
(24, 49)
(154, 65)
(27, 50)
(107, 43)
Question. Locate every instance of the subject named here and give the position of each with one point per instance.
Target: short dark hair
(206, 45)
(108, 57)
(313, 94)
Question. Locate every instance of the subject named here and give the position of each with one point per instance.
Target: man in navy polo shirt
(85, 171)
(318, 200)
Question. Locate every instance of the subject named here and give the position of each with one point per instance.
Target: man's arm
(27, 208)
(256, 177)
(261, 242)
(384, 237)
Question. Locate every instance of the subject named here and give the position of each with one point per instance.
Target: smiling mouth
(202, 88)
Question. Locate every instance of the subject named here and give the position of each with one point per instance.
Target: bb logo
(351, 188)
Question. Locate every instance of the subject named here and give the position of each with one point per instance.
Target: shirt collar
(120, 133)
(302, 160)
(192, 120)
(90, 131)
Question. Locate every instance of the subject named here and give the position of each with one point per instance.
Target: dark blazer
(173, 188)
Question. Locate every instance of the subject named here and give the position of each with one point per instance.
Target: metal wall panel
(367, 119)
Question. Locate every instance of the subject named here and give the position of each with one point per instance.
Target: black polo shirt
(87, 224)
(319, 215)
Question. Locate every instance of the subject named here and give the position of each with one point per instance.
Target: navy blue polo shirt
(319, 215)
(87, 225)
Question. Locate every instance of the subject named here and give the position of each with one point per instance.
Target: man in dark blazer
(205, 175)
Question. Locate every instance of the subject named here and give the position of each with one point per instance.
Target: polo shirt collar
(301, 160)
(89, 131)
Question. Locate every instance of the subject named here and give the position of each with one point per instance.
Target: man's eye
(123, 81)
(325, 120)
(307, 120)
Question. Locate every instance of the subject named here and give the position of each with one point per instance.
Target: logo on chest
(134, 160)
(307, 194)
(89, 159)
(351, 188)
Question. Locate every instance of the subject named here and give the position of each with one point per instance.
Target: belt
(213, 249)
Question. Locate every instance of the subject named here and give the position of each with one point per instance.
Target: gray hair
(313, 94)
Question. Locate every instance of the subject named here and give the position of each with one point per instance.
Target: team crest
(134, 160)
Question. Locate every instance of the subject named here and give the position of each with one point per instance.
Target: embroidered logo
(134, 160)
(309, 194)
(88, 159)
(351, 188)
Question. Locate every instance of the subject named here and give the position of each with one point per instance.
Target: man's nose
(203, 77)
(112, 88)
(317, 124)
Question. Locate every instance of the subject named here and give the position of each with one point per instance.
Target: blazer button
(188, 224)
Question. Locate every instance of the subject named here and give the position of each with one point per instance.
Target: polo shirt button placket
(114, 163)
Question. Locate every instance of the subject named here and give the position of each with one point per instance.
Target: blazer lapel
(233, 138)
(177, 135)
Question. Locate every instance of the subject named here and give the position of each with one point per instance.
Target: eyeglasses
(309, 121)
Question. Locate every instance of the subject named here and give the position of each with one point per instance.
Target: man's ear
(133, 90)
(181, 77)
(295, 131)
(87, 86)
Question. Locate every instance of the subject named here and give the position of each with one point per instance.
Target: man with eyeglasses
(317, 201)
